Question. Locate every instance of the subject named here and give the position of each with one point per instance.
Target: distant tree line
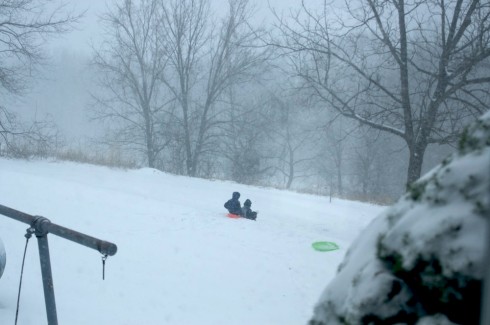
(353, 101)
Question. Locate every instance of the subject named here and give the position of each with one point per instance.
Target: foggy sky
(62, 87)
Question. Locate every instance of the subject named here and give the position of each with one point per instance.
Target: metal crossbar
(43, 227)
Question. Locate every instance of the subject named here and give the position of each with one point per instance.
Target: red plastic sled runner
(233, 216)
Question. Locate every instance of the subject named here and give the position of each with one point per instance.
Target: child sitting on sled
(233, 205)
(247, 211)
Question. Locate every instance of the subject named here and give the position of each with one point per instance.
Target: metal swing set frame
(42, 227)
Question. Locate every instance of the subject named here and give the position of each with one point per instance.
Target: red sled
(233, 216)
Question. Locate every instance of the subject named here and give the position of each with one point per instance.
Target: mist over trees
(354, 100)
(131, 62)
(23, 26)
(414, 69)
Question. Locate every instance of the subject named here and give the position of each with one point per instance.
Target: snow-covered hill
(179, 260)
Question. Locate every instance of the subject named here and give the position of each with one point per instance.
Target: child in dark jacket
(233, 205)
(247, 211)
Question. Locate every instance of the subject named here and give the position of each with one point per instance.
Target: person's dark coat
(233, 205)
(247, 211)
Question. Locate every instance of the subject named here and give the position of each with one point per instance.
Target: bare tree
(369, 161)
(245, 138)
(185, 24)
(336, 135)
(205, 60)
(414, 69)
(293, 133)
(38, 138)
(132, 61)
(24, 26)
(244, 147)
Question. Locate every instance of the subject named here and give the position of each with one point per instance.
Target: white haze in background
(62, 90)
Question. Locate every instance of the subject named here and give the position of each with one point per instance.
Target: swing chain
(104, 258)
(28, 235)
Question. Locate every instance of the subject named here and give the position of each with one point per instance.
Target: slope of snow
(179, 259)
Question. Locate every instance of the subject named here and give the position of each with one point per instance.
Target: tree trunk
(151, 159)
(150, 146)
(339, 181)
(415, 161)
(364, 187)
(291, 169)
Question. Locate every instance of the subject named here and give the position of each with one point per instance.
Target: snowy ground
(179, 260)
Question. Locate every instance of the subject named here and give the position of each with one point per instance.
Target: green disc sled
(324, 246)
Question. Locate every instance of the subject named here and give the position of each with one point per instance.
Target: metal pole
(47, 279)
(104, 247)
(41, 225)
